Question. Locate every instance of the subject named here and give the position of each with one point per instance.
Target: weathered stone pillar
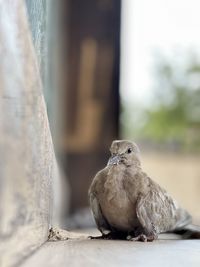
(27, 161)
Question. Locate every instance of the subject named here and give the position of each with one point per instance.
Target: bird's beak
(114, 160)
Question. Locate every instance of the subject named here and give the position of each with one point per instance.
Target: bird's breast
(119, 211)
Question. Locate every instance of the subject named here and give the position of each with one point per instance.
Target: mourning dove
(127, 203)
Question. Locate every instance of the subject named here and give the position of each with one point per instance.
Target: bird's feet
(141, 237)
(107, 236)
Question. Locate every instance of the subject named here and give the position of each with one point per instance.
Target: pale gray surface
(44, 26)
(38, 23)
(27, 161)
(77, 253)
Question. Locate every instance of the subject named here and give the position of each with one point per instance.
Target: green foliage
(174, 116)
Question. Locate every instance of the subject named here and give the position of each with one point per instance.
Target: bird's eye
(129, 150)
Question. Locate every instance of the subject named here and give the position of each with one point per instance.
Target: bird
(127, 204)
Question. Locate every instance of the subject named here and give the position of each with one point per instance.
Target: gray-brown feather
(158, 211)
(94, 191)
(123, 198)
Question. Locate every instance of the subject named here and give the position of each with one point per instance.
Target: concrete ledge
(165, 252)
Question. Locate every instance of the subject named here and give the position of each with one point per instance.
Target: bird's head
(124, 152)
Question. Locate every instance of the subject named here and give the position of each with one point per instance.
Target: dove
(127, 204)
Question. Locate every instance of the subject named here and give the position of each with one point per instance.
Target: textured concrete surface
(27, 162)
(166, 252)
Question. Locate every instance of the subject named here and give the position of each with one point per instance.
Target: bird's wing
(158, 212)
(100, 220)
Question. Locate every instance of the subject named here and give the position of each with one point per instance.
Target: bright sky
(148, 25)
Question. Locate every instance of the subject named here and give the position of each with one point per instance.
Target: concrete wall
(27, 161)
(45, 22)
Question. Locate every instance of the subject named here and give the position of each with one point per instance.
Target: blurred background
(108, 69)
(81, 74)
(131, 70)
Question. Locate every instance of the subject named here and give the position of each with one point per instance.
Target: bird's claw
(141, 237)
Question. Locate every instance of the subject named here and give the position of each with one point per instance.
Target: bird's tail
(189, 231)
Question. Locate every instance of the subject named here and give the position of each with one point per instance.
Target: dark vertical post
(92, 90)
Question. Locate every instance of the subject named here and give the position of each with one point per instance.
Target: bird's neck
(121, 169)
